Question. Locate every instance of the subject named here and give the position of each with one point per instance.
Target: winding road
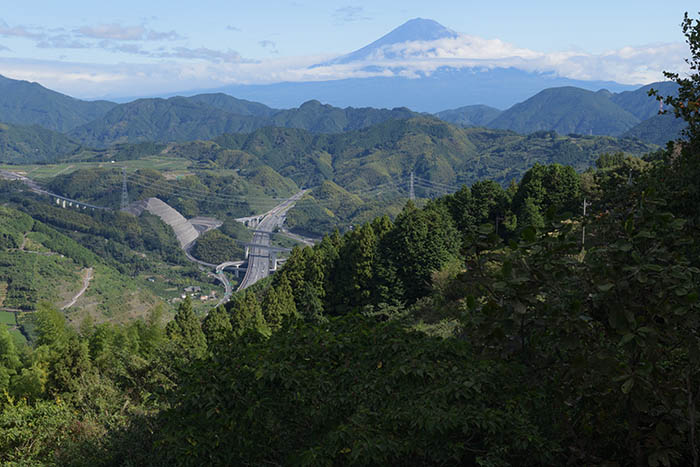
(86, 284)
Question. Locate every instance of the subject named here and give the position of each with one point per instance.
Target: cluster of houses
(194, 292)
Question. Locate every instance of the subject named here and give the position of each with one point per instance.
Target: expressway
(259, 257)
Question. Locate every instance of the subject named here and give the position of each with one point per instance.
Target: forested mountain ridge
(27, 144)
(432, 149)
(174, 119)
(658, 129)
(208, 116)
(25, 103)
(567, 110)
(205, 116)
(574, 110)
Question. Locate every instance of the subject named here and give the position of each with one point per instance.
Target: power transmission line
(125, 193)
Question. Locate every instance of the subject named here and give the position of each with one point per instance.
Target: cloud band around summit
(177, 67)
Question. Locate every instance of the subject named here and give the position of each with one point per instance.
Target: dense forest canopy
(493, 326)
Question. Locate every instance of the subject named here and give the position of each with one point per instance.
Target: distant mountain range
(573, 110)
(208, 116)
(566, 110)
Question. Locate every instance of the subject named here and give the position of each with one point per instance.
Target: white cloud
(203, 53)
(179, 68)
(270, 45)
(120, 32)
(62, 41)
(629, 65)
(20, 31)
(348, 14)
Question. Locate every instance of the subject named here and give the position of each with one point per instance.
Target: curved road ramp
(184, 230)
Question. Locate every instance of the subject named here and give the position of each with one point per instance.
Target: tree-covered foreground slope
(486, 328)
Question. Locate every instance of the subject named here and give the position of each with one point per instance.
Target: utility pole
(125, 193)
(412, 192)
(583, 222)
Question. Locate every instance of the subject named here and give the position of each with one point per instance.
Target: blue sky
(127, 47)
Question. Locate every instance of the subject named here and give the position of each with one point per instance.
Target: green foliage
(553, 187)
(421, 241)
(33, 434)
(355, 392)
(9, 358)
(659, 129)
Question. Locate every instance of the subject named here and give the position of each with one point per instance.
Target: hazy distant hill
(444, 88)
(470, 115)
(567, 110)
(232, 105)
(27, 144)
(25, 103)
(658, 129)
(640, 104)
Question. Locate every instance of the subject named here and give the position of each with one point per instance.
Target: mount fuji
(418, 65)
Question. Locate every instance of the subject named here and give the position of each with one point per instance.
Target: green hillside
(25, 103)
(38, 263)
(28, 144)
(567, 110)
(433, 149)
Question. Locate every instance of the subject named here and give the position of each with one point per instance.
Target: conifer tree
(530, 216)
(217, 326)
(355, 273)
(9, 358)
(185, 331)
(279, 304)
(247, 315)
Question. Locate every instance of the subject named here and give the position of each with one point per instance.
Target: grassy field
(165, 164)
(7, 317)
